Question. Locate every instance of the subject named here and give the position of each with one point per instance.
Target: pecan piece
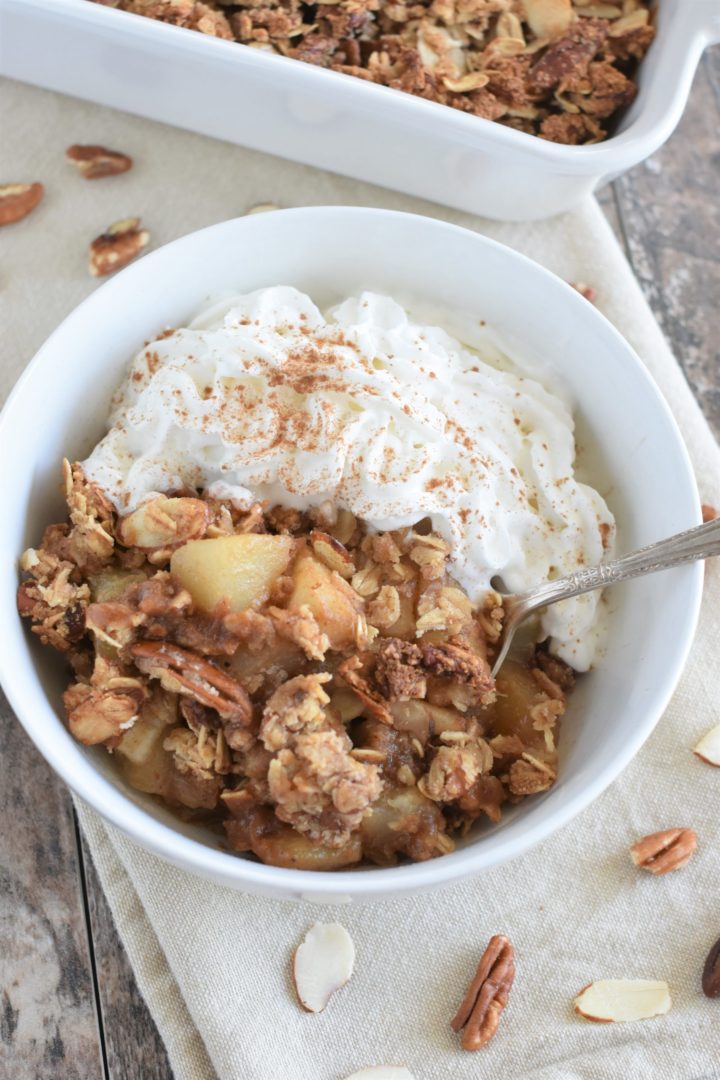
(94, 162)
(183, 672)
(588, 291)
(354, 672)
(709, 513)
(570, 55)
(17, 200)
(487, 995)
(711, 972)
(664, 851)
(117, 246)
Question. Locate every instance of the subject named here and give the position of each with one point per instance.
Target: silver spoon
(698, 543)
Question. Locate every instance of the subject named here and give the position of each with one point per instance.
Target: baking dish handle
(705, 15)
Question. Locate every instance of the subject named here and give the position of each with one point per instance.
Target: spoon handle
(698, 543)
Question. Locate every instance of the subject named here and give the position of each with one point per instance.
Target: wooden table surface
(70, 1007)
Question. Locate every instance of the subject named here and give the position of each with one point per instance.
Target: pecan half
(94, 162)
(117, 246)
(487, 995)
(661, 852)
(183, 672)
(711, 972)
(17, 200)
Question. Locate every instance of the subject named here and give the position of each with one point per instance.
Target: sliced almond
(508, 25)
(548, 18)
(600, 11)
(322, 964)
(708, 749)
(629, 23)
(17, 200)
(382, 1072)
(623, 1000)
(505, 46)
(162, 523)
(475, 80)
(366, 754)
(334, 554)
(262, 208)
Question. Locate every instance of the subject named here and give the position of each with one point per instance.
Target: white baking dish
(339, 122)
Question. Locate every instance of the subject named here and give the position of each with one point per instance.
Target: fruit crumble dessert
(273, 586)
(560, 69)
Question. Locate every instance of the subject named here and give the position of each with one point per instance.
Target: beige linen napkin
(213, 964)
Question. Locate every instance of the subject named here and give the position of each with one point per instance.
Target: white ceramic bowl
(339, 122)
(628, 440)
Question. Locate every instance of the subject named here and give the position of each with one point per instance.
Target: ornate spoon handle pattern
(702, 542)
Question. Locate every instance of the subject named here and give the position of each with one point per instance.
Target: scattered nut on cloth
(575, 908)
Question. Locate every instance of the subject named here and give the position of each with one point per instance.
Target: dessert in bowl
(442, 464)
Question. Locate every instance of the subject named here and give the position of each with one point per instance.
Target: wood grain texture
(133, 1047)
(60, 951)
(669, 211)
(48, 1023)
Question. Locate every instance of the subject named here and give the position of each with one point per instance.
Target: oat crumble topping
(321, 691)
(559, 69)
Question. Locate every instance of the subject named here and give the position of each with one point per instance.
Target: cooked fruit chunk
(252, 669)
(237, 569)
(111, 582)
(334, 604)
(259, 831)
(403, 822)
(517, 692)
(143, 761)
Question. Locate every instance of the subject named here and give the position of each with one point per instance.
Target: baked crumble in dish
(323, 690)
(257, 652)
(560, 69)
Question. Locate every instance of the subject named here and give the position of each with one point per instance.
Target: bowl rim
(366, 883)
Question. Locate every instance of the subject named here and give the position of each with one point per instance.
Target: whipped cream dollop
(265, 398)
